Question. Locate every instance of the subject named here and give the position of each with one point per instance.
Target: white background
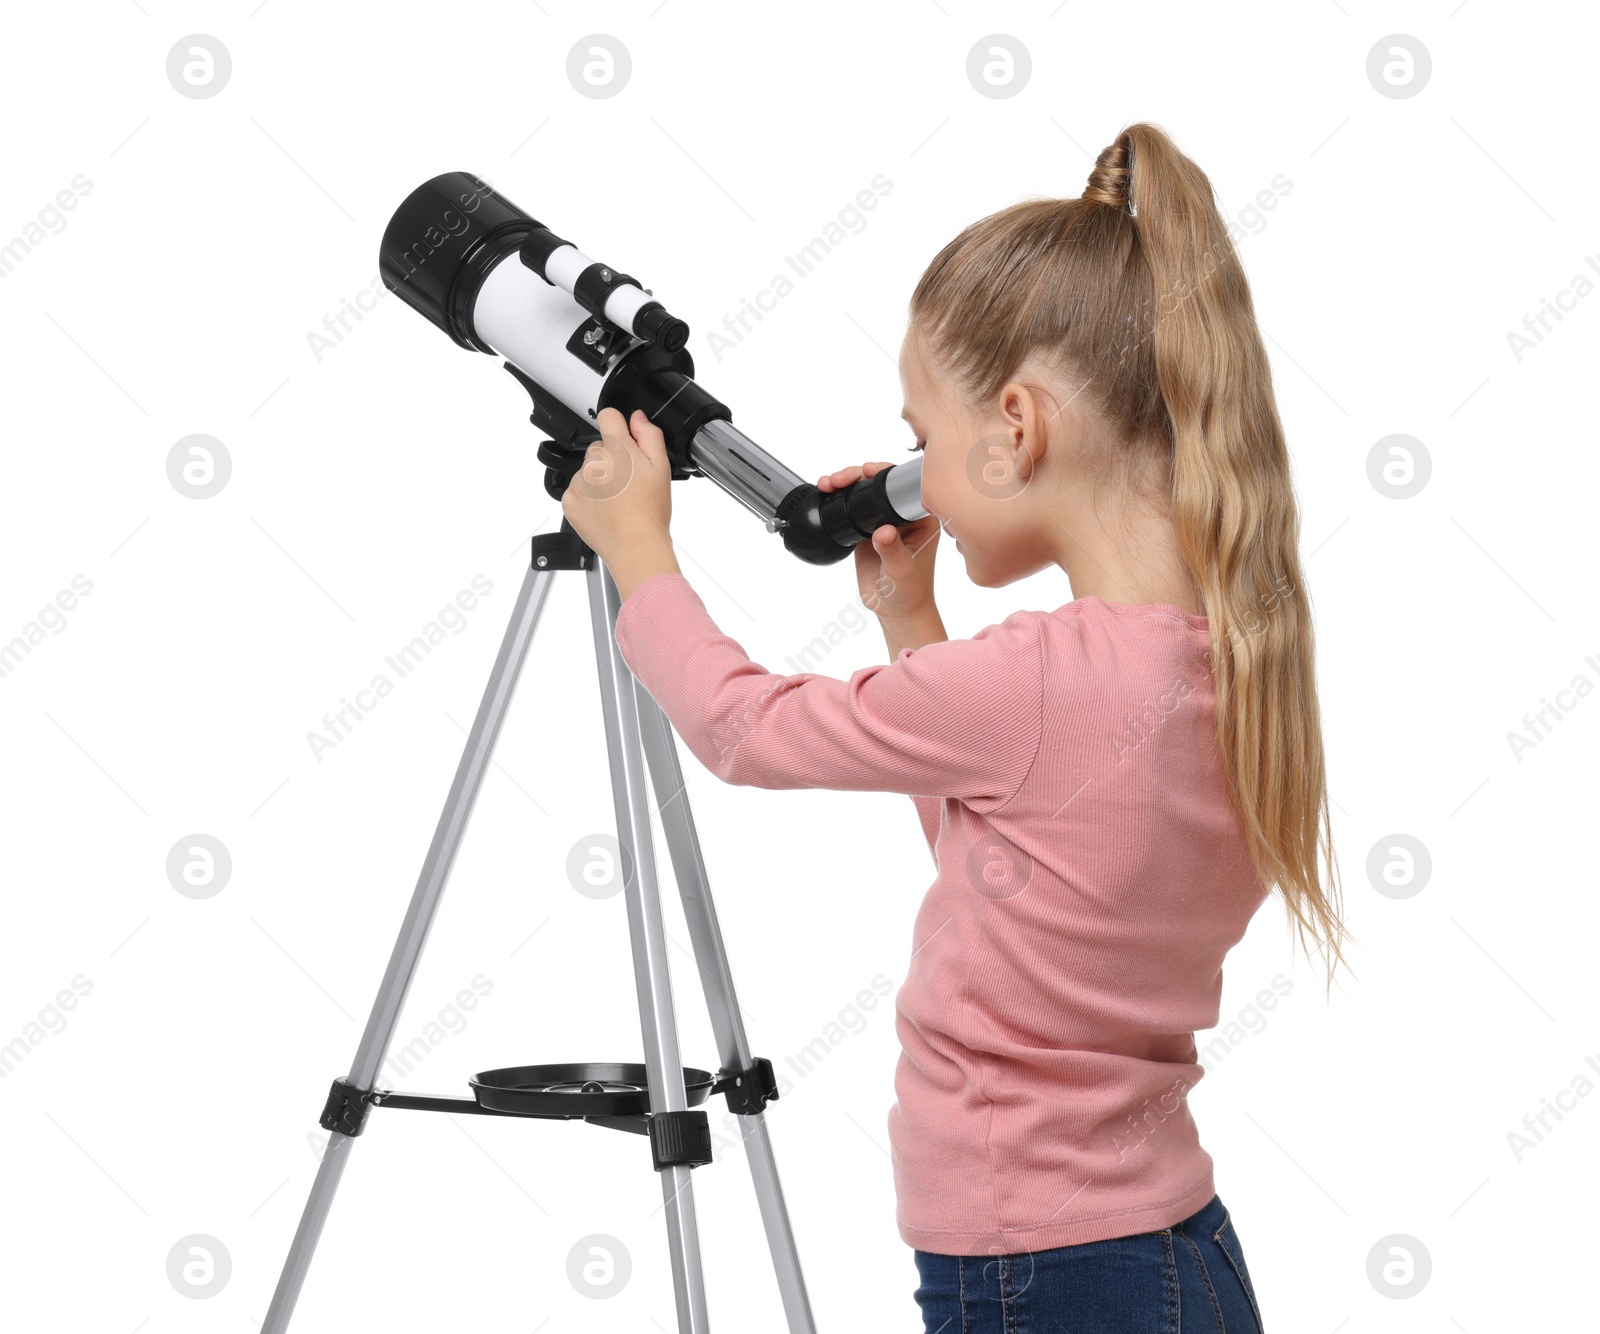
(371, 485)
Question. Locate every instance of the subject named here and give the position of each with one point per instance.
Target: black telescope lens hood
(441, 242)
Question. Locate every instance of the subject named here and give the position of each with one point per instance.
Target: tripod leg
(651, 976)
(733, 1048)
(425, 898)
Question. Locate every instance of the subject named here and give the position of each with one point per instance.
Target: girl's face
(980, 473)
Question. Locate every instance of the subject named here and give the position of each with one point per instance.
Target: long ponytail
(1136, 287)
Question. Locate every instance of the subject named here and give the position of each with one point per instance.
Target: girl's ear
(1034, 415)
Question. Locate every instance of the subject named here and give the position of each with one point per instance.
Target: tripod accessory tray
(606, 1093)
(583, 1088)
(606, 1088)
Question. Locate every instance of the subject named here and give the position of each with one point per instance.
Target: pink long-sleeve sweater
(1092, 874)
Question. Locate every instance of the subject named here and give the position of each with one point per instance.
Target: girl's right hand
(894, 568)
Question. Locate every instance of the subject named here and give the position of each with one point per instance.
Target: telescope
(580, 336)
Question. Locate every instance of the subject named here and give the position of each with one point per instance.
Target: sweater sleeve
(961, 718)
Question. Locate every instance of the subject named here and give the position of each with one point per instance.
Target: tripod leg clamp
(680, 1139)
(346, 1110)
(749, 1091)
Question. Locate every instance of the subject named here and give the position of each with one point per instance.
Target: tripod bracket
(346, 1109)
(748, 1091)
(562, 550)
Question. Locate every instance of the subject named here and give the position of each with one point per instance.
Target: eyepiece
(821, 527)
(666, 331)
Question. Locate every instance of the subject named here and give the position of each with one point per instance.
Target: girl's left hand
(620, 501)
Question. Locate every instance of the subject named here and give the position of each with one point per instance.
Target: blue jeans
(1183, 1279)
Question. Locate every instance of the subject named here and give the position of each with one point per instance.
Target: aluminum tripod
(654, 1099)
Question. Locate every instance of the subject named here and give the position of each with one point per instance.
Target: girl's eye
(921, 444)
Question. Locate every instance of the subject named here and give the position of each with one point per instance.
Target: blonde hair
(1135, 291)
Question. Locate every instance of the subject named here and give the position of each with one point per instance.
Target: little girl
(1110, 789)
